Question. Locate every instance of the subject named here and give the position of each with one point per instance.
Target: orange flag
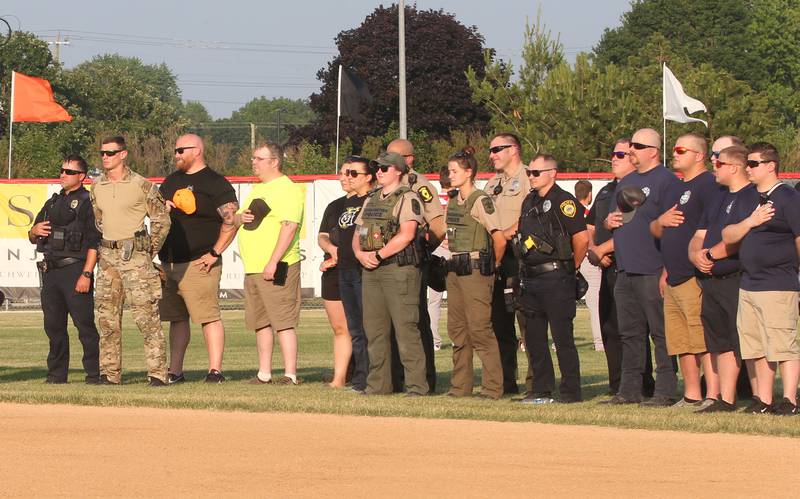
(32, 100)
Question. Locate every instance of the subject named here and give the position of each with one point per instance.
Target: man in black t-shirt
(682, 208)
(766, 224)
(202, 207)
(640, 307)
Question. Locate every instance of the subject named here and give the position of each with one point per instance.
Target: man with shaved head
(202, 207)
(640, 307)
(682, 208)
(434, 219)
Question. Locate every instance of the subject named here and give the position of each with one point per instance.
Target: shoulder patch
(415, 207)
(425, 194)
(568, 208)
(488, 205)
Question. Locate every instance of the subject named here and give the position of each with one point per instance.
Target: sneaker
(684, 402)
(718, 406)
(785, 408)
(658, 401)
(154, 382)
(754, 402)
(537, 400)
(484, 396)
(413, 395)
(214, 376)
(286, 380)
(706, 403)
(174, 379)
(105, 381)
(53, 381)
(353, 389)
(257, 381)
(760, 408)
(92, 380)
(620, 400)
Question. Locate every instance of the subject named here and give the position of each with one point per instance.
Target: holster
(41, 266)
(486, 263)
(460, 264)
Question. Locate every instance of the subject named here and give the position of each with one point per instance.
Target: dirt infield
(56, 450)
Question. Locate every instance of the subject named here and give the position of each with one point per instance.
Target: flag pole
(11, 123)
(664, 110)
(338, 115)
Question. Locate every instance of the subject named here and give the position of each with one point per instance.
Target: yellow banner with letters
(19, 204)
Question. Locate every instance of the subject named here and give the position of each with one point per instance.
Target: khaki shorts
(190, 292)
(266, 304)
(682, 325)
(767, 324)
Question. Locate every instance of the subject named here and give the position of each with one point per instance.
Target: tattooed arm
(227, 232)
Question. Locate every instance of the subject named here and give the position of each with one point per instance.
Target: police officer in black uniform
(551, 240)
(65, 232)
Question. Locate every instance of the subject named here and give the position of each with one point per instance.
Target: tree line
(740, 57)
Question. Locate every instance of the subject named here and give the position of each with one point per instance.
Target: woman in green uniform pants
(476, 244)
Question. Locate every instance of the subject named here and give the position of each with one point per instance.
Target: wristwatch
(378, 257)
(213, 253)
(708, 255)
(87, 274)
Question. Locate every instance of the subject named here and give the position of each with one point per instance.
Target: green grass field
(23, 350)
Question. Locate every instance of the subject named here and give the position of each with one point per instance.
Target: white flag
(676, 104)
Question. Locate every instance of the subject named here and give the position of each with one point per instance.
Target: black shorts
(330, 285)
(720, 305)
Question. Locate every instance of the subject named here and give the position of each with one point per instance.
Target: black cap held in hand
(629, 198)
(259, 208)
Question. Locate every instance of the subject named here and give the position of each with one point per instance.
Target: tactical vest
(464, 233)
(541, 232)
(66, 239)
(379, 225)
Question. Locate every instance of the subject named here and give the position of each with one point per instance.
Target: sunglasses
(353, 173)
(755, 163)
(384, 168)
(181, 150)
(715, 154)
(67, 171)
(639, 146)
(110, 153)
(682, 150)
(720, 164)
(619, 154)
(497, 149)
(536, 173)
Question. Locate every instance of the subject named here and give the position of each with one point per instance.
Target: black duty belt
(60, 262)
(113, 244)
(531, 271)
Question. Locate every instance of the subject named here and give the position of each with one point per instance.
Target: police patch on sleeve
(568, 208)
(488, 206)
(415, 206)
(425, 194)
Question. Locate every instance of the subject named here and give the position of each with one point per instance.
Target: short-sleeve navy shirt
(713, 222)
(768, 252)
(636, 250)
(599, 212)
(692, 198)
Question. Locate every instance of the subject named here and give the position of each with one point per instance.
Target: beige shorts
(190, 292)
(767, 324)
(682, 325)
(266, 304)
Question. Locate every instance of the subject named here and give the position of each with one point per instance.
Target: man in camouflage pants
(121, 199)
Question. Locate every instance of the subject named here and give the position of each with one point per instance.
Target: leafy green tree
(195, 112)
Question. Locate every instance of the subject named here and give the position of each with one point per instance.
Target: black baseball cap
(259, 208)
(629, 198)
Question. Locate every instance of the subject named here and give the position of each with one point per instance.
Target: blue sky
(227, 53)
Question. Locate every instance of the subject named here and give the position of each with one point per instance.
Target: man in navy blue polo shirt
(719, 271)
(767, 223)
(682, 207)
(639, 264)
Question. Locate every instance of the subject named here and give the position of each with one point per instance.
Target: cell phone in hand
(281, 271)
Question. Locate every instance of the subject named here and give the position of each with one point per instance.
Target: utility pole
(278, 127)
(402, 69)
(252, 136)
(58, 43)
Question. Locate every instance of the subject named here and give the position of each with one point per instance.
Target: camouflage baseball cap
(391, 159)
